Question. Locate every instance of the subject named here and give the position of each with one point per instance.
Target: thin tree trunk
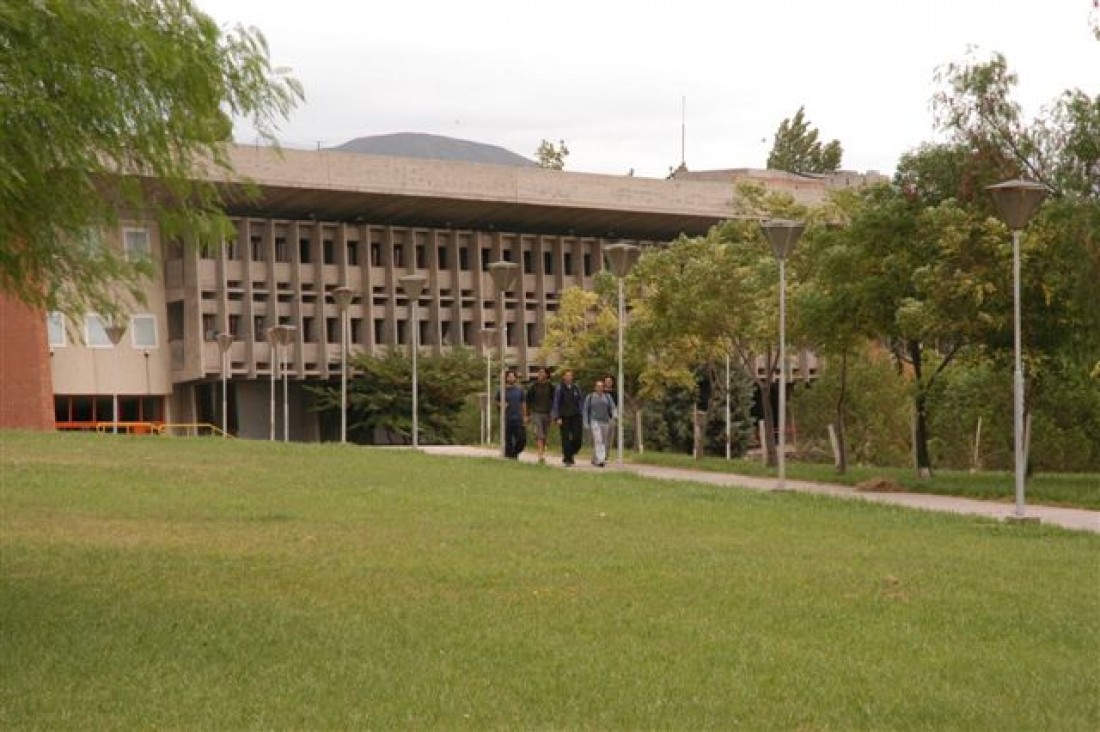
(838, 425)
(920, 407)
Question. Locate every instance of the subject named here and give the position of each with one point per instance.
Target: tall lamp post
(286, 335)
(1017, 201)
(342, 296)
(782, 235)
(225, 340)
(413, 285)
(488, 340)
(622, 258)
(115, 331)
(273, 357)
(504, 278)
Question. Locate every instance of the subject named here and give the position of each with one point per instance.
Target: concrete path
(1069, 518)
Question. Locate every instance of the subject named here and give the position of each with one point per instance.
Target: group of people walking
(543, 403)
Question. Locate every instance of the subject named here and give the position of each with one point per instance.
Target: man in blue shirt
(515, 417)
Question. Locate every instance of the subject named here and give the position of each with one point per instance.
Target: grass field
(211, 584)
(1078, 490)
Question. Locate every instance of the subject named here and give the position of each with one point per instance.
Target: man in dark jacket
(567, 411)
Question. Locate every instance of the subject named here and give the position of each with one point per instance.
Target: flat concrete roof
(378, 189)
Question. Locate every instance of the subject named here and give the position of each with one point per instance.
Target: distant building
(808, 189)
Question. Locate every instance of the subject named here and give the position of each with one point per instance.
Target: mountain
(435, 147)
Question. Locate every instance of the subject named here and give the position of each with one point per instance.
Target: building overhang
(355, 187)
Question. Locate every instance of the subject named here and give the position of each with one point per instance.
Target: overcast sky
(609, 77)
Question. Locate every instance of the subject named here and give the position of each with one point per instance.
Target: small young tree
(796, 148)
(551, 157)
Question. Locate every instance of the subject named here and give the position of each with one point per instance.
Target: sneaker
(601, 464)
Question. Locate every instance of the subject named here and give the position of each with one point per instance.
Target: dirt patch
(880, 485)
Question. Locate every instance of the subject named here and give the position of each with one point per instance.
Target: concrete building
(322, 219)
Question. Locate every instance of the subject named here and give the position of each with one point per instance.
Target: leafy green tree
(380, 397)
(796, 148)
(550, 156)
(98, 99)
(875, 404)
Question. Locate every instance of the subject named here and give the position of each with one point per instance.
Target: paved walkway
(1069, 518)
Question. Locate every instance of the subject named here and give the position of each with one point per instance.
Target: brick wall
(26, 391)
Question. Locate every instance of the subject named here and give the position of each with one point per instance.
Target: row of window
(443, 258)
(310, 334)
(142, 330)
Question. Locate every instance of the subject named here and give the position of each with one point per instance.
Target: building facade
(310, 222)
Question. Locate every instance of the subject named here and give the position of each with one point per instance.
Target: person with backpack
(599, 413)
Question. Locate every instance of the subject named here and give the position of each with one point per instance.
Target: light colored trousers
(601, 436)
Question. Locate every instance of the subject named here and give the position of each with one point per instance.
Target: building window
(421, 263)
(464, 259)
(55, 328)
(375, 254)
(379, 330)
(95, 335)
(486, 254)
(442, 260)
(175, 321)
(231, 249)
(548, 263)
(353, 254)
(587, 265)
(357, 330)
(257, 249)
(209, 326)
(328, 252)
(136, 244)
(399, 256)
(567, 267)
(143, 331)
(282, 252)
(332, 330)
(235, 326)
(528, 262)
(305, 251)
(259, 328)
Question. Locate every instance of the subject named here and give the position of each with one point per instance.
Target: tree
(550, 157)
(109, 106)
(796, 148)
(381, 398)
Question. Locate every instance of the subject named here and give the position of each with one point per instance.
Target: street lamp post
(115, 332)
(504, 276)
(488, 340)
(782, 235)
(343, 295)
(286, 334)
(1017, 201)
(273, 355)
(413, 285)
(622, 258)
(225, 340)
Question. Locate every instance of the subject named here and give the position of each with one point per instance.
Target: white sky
(608, 76)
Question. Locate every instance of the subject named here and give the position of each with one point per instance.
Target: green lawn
(213, 584)
(1080, 490)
